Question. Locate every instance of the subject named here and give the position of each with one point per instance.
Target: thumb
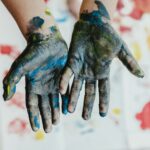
(12, 78)
(129, 61)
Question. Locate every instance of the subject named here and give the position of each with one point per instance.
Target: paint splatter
(116, 111)
(47, 12)
(39, 135)
(9, 50)
(17, 101)
(136, 50)
(148, 41)
(18, 126)
(143, 116)
(124, 29)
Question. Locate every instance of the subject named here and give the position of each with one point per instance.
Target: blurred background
(127, 126)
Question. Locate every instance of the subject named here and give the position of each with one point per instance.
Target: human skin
(41, 63)
(93, 47)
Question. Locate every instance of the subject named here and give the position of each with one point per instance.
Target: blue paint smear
(102, 9)
(30, 114)
(64, 18)
(95, 17)
(65, 100)
(14, 89)
(36, 122)
(56, 102)
(59, 63)
(50, 64)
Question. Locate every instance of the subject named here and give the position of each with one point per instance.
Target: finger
(45, 111)
(75, 92)
(54, 102)
(65, 101)
(11, 79)
(104, 91)
(33, 110)
(129, 61)
(65, 80)
(90, 92)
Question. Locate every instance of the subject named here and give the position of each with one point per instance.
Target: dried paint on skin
(36, 122)
(56, 103)
(53, 29)
(65, 101)
(90, 92)
(93, 47)
(96, 17)
(42, 63)
(35, 23)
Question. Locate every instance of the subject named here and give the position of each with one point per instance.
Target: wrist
(97, 16)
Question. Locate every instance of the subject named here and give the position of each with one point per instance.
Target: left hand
(93, 47)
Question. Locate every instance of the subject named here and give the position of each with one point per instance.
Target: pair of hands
(48, 66)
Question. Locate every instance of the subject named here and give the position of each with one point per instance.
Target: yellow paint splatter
(136, 51)
(47, 12)
(39, 135)
(116, 111)
(148, 41)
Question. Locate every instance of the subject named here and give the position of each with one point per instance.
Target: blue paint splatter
(53, 29)
(36, 122)
(37, 22)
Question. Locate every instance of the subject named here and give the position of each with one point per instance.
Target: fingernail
(6, 91)
(48, 130)
(55, 121)
(86, 117)
(140, 73)
(71, 109)
(102, 114)
(65, 111)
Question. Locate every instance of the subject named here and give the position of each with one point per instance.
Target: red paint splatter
(18, 126)
(140, 7)
(18, 101)
(46, 1)
(9, 50)
(120, 5)
(144, 117)
(136, 13)
(143, 5)
(124, 29)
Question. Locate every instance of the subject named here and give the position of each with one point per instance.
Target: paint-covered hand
(41, 62)
(93, 47)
